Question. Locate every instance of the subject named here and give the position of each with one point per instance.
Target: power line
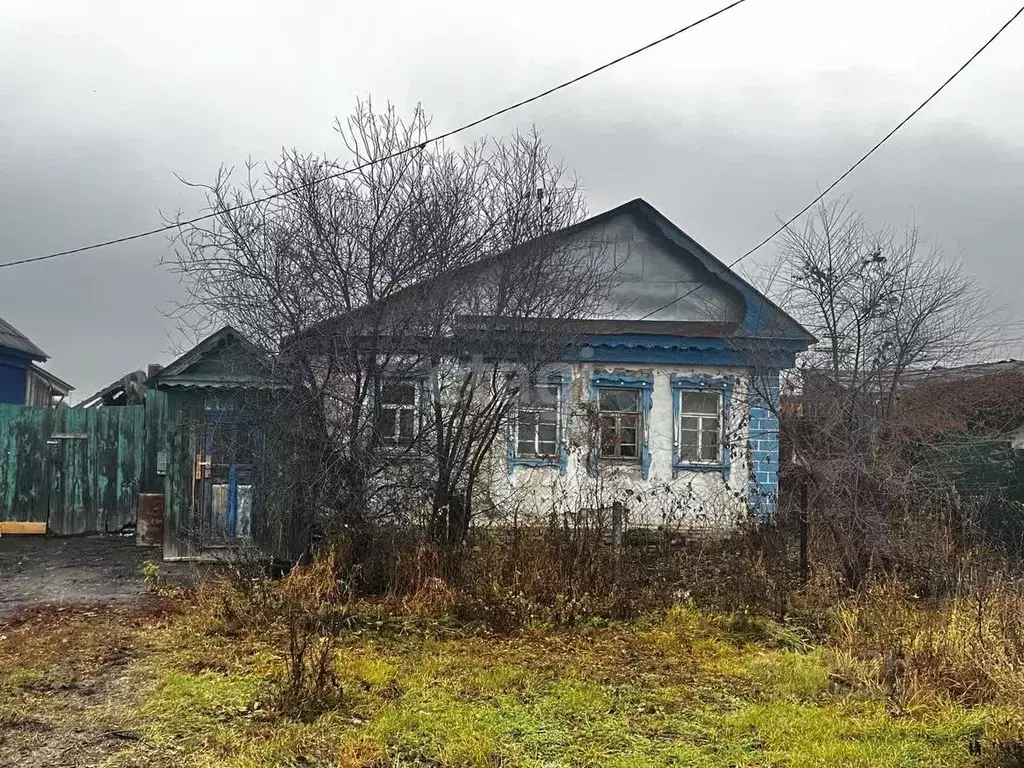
(392, 156)
(856, 165)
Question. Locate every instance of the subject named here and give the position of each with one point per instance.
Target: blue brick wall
(763, 442)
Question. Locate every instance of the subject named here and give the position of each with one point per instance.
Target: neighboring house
(130, 389)
(970, 422)
(22, 380)
(666, 407)
(959, 426)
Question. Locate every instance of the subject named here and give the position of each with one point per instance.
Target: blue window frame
(625, 422)
(537, 430)
(700, 418)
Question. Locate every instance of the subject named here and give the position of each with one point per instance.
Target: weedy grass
(683, 687)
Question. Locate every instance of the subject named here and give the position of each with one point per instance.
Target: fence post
(618, 519)
(804, 523)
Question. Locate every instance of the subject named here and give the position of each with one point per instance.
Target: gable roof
(14, 340)
(224, 359)
(131, 386)
(763, 318)
(959, 373)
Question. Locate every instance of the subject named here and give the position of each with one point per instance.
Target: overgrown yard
(170, 682)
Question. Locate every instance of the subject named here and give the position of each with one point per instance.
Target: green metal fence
(79, 471)
(989, 474)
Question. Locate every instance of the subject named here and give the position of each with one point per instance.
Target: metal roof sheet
(13, 339)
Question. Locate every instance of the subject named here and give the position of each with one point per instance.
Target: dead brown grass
(63, 672)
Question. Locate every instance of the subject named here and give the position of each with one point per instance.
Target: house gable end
(762, 318)
(224, 359)
(652, 279)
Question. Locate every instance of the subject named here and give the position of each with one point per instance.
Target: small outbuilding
(206, 444)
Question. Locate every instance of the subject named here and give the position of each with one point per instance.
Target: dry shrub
(236, 598)
(564, 577)
(307, 610)
(314, 607)
(414, 565)
(554, 577)
(969, 648)
(239, 607)
(433, 598)
(747, 570)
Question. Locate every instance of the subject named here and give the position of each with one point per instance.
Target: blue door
(226, 474)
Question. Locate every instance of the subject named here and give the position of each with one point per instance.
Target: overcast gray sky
(724, 128)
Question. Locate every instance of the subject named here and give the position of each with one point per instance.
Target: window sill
(536, 462)
(684, 466)
(402, 452)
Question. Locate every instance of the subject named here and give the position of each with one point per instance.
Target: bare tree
(884, 306)
(408, 297)
(882, 303)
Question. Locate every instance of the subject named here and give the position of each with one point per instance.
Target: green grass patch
(683, 689)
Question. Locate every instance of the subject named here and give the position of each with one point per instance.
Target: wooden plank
(14, 528)
(128, 445)
(8, 460)
(103, 462)
(23, 463)
(77, 470)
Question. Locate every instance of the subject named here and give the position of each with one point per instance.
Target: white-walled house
(665, 406)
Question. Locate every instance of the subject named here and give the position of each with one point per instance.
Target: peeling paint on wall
(679, 499)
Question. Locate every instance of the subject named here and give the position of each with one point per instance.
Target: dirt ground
(37, 570)
(87, 597)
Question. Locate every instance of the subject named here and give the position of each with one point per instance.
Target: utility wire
(782, 227)
(392, 156)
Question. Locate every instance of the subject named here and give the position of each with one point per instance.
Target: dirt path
(35, 570)
(67, 689)
(70, 615)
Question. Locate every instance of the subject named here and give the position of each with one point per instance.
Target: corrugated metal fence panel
(77, 469)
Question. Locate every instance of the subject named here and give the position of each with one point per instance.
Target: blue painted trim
(646, 348)
(527, 461)
(562, 380)
(723, 384)
(647, 340)
(643, 382)
(645, 451)
(648, 356)
(563, 422)
(624, 381)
